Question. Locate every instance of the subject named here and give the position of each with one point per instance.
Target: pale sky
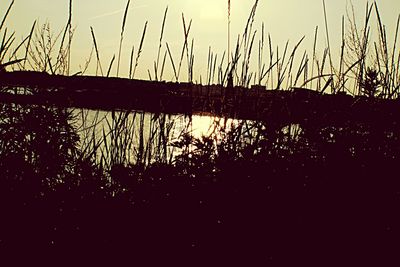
(284, 20)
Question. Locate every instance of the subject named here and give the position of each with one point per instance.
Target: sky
(284, 20)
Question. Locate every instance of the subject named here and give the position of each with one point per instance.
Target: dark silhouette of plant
(39, 145)
(371, 83)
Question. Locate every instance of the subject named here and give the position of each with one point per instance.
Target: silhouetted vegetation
(120, 186)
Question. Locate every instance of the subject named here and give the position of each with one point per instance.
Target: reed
(6, 15)
(139, 50)
(41, 52)
(70, 34)
(64, 53)
(327, 36)
(98, 62)
(314, 52)
(185, 48)
(156, 63)
(172, 62)
(163, 65)
(13, 57)
(110, 66)
(122, 34)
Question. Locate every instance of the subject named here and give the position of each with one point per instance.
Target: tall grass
(139, 51)
(115, 137)
(98, 62)
(122, 34)
(8, 41)
(275, 67)
(121, 138)
(185, 48)
(156, 63)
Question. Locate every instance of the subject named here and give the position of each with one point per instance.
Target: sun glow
(201, 125)
(210, 10)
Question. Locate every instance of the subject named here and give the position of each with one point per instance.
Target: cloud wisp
(115, 12)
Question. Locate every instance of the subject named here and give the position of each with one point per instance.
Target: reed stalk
(122, 35)
(139, 52)
(186, 30)
(98, 62)
(156, 63)
(327, 36)
(110, 66)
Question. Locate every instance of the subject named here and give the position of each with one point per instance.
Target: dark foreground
(328, 196)
(250, 215)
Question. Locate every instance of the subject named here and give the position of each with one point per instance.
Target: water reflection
(137, 137)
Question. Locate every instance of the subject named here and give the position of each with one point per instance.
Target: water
(138, 134)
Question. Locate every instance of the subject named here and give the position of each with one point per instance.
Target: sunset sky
(284, 20)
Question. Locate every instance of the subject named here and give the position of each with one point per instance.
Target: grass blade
(110, 66)
(122, 34)
(172, 62)
(6, 14)
(97, 52)
(160, 44)
(140, 49)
